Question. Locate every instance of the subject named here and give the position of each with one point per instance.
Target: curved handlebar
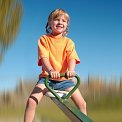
(55, 94)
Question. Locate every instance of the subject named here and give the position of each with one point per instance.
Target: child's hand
(54, 74)
(70, 74)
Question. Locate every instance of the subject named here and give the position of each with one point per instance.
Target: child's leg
(78, 100)
(33, 100)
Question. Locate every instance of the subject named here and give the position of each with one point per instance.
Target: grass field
(104, 104)
(47, 111)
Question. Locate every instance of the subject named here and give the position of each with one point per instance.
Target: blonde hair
(53, 15)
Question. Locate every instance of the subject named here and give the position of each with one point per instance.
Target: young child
(56, 55)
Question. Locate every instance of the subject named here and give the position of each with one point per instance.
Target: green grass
(54, 114)
(106, 115)
(51, 112)
(106, 109)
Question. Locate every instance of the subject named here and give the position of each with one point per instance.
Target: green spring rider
(60, 98)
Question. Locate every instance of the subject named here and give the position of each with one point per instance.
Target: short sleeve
(42, 50)
(71, 52)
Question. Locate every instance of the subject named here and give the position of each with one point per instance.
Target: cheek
(51, 24)
(66, 25)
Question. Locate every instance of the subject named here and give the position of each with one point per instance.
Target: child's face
(58, 25)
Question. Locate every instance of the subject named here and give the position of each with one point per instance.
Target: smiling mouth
(59, 27)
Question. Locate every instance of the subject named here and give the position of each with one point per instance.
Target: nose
(60, 22)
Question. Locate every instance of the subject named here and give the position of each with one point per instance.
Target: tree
(10, 17)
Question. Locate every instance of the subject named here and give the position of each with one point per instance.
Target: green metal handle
(55, 94)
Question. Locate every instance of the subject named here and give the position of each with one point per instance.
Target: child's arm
(46, 64)
(71, 68)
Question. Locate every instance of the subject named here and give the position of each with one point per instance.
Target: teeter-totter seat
(60, 98)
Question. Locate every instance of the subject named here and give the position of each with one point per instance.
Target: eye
(64, 20)
(56, 19)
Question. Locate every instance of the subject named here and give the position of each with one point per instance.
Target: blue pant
(58, 85)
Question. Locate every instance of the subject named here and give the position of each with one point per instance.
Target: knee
(31, 103)
(83, 105)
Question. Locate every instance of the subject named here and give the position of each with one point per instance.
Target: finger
(73, 74)
(70, 73)
(57, 75)
(52, 75)
(67, 74)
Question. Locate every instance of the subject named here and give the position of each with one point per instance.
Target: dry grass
(103, 102)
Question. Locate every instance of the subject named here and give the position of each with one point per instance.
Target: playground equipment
(60, 98)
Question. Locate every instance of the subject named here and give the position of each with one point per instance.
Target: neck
(57, 35)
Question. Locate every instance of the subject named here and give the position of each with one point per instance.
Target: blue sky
(95, 27)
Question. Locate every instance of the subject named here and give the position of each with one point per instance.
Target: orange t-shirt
(58, 50)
